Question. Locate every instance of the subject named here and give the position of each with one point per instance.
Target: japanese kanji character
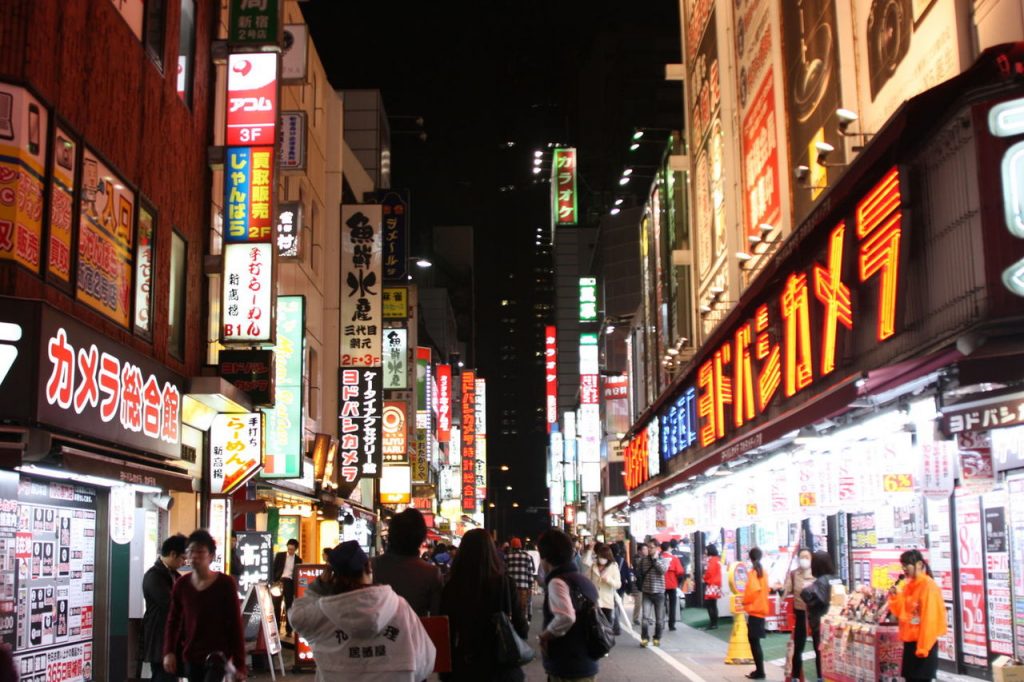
(361, 230)
(152, 399)
(131, 397)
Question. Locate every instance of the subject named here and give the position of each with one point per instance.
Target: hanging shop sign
(105, 235)
(295, 53)
(997, 573)
(468, 480)
(289, 229)
(62, 199)
(396, 359)
(551, 375)
(419, 457)
(395, 485)
(251, 371)
(395, 424)
(395, 303)
(395, 213)
(423, 356)
(251, 109)
(359, 425)
(247, 300)
(563, 172)
(444, 403)
(971, 569)
(252, 24)
(283, 451)
(236, 450)
(254, 559)
(993, 412)
(679, 424)
(361, 315)
(588, 299)
(939, 468)
(291, 151)
(248, 194)
(480, 414)
(24, 139)
(637, 461)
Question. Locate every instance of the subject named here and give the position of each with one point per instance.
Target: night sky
(481, 75)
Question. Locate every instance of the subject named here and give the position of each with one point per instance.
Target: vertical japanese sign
(563, 172)
(396, 432)
(248, 194)
(105, 233)
(292, 148)
(468, 480)
(395, 212)
(144, 242)
(444, 403)
(997, 574)
(359, 425)
(588, 299)
(236, 448)
(251, 114)
(973, 639)
(24, 125)
(289, 229)
(254, 23)
(551, 375)
(248, 293)
(480, 412)
(756, 53)
(423, 356)
(361, 314)
(62, 193)
(283, 450)
(396, 359)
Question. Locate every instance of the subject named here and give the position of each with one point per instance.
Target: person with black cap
(361, 630)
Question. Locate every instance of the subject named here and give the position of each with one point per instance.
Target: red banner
(252, 99)
(444, 403)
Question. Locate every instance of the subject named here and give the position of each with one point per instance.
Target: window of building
(186, 50)
(176, 299)
(153, 33)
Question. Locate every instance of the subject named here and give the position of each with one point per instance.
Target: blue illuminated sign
(679, 424)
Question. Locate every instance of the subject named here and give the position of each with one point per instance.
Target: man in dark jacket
(413, 579)
(156, 588)
(563, 641)
(286, 571)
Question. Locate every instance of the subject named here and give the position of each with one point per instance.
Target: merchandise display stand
(853, 651)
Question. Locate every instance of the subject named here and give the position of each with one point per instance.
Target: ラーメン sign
(283, 458)
(563, 171)
(236, 448)
(246, 313)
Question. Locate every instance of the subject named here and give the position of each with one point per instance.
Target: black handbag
(510, 650)
(598, 633)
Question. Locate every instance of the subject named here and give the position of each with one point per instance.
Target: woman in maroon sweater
(204, 616)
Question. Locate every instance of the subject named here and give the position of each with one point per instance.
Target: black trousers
(158, 674)
(712, 606)
(672, 597)
(755, 632)
(800, 640)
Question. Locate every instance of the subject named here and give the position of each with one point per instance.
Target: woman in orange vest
(755, 604)
(922, 617)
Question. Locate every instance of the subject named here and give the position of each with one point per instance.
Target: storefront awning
(93, 464)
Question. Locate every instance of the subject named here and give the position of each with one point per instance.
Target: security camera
(165, 502)
(801, 173)
(846, 117)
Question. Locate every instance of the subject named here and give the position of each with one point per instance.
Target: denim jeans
(653, 611)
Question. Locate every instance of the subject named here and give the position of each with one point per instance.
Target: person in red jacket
(755, 604)
(673, 579)
(204, 616)
(712, 585)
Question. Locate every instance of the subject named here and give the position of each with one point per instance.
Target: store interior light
(87, 479)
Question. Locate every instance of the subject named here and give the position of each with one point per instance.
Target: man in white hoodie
(360, 630)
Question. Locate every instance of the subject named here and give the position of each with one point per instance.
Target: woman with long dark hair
(755, 604)
(796, 580)
(477, 588)
(824, 572)
(922, 617)
(712, 585)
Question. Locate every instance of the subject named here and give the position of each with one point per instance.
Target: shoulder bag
(510, 651)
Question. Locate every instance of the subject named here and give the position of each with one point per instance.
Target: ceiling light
(705, 309)
(766, 227)
(423, 263)
(536, 170)
(716, 290)
(618, 202)
(615, 211)
(623, 181)
(633, 147)
(754, 238)
(626, 173)
(638, 134)
(537, 162)
(537, 154)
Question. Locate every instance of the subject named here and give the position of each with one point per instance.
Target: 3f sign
(10, 334)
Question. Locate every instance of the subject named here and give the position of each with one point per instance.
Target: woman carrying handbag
(712, 586)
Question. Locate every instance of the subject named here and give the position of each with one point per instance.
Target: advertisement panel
(396, 303)
(970, 550)
(64, 166)
(289, 229)
(467, 484)
(291, 151)
(395, 444)
(588, 299)
(563, 171)
(1015, 490)
(997, 574)
(396, 359)
(24, 126)
(903, 48)
(756, 52)
(551, 376)
(246, 308)
(251, 110)
(144, 241)
(395, 210)
(236, 449)
(444, 403)
(294, 57)
(254, 559)
(361, 274)
(810, 44)
(395, 485)
(105, 232)
(251, 371)
(254, 23)
(283, 450)
(359, 425)
(248, 194)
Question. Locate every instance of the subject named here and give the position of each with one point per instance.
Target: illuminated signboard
(395, 209)
(588, 299)
(62, 194)
(251, 109)
(551, 375)
(236, 448)
(396, 359)
(289, 226)
(679, 424)
(563, 171)
(248, 194)
(637, 461)
(480, 412)
(361, 314)
(396, 431)
(467, 484)
(444, 403)
(396, 485)
(248, 293)
(360, 399)
(395, 301)
(283, 457)
(24, 138)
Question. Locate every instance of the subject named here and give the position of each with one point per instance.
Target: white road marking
(679, 667)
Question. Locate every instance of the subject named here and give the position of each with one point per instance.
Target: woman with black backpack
(816, 597)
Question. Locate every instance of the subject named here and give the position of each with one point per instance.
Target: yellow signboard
(395, 303)
(23, 151)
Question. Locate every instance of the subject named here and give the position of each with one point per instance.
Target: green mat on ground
(774, 645)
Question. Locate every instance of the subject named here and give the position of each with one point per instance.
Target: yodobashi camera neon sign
(1007, 120)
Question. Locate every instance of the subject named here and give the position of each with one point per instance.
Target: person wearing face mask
(604, 573)
(755, 605)
(922, 617)
(796, 581)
